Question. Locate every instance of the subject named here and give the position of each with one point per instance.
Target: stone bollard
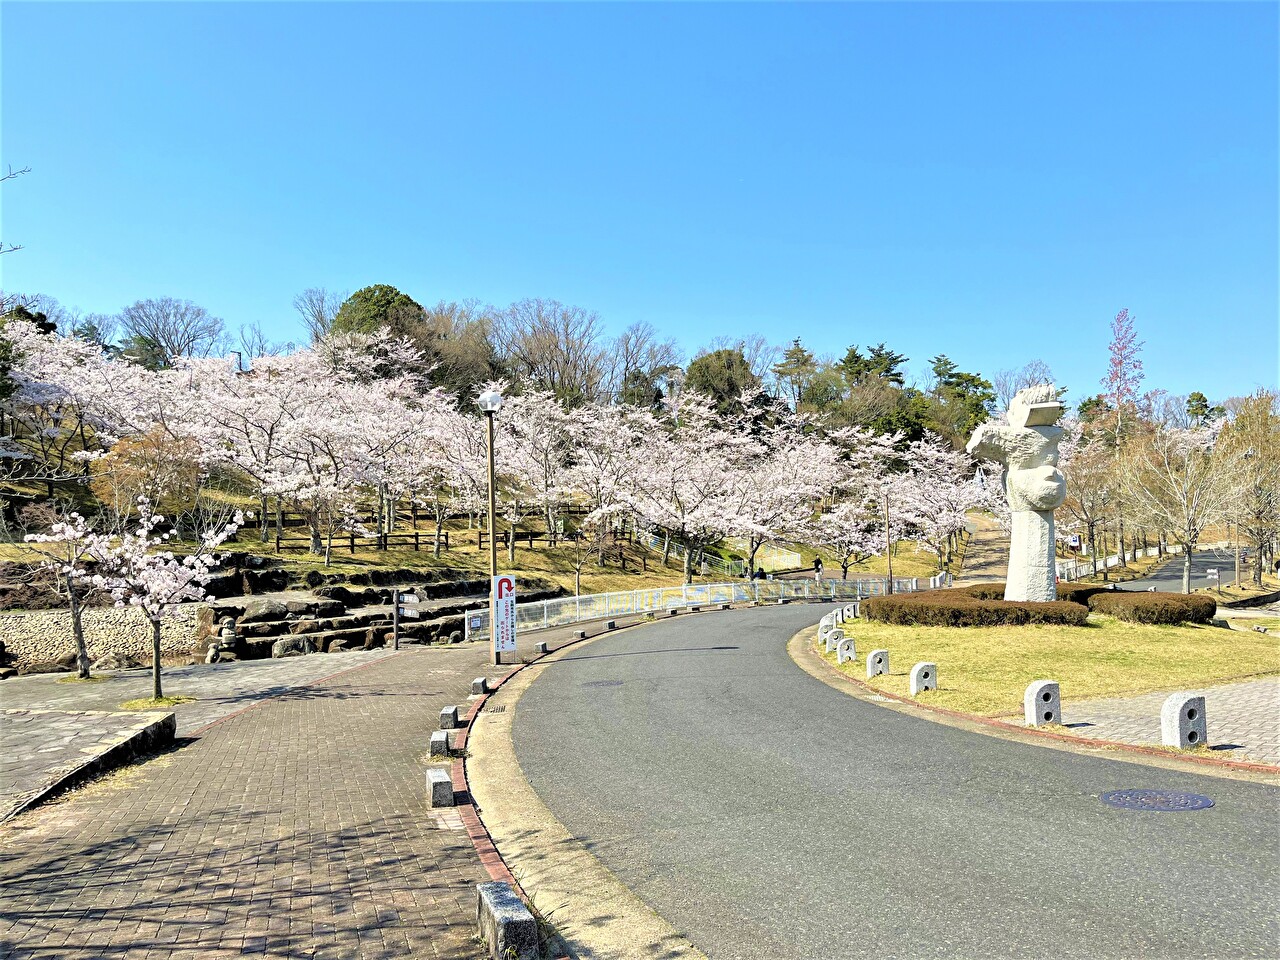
(1042, 703)
(695, 609)
(479, 685)
(924, 676)
(673, 612)
(1182, 722)
(837, 616)
(506, 925)
(540, 647)
(439, 788)
(832, 639)
(579, 634)
(449, 718)
(783, 600)
(726, 606)
(851, 611)
(846, 649)
(440, 743)
(877, 663)
(610, 625)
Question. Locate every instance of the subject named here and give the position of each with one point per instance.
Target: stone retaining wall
(46, 634)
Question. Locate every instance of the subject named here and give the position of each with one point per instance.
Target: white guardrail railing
(541, 614)
(1069, 570)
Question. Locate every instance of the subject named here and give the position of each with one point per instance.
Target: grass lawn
(984, 670)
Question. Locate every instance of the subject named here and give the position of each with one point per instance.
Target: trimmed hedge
(962, 608)
(1070, 592)
(1158, 608)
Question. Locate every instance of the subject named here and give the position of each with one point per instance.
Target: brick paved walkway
(295, 829)
(1243, 718)
(220, 688)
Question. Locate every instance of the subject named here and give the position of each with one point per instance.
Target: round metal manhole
(603, 683)
(1160, 801)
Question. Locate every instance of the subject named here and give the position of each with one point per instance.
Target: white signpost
(502, 616)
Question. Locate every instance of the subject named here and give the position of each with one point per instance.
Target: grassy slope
(985, 670)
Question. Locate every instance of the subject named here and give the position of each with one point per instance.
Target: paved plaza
(40, 749)
(1243, 718)
(296, 828)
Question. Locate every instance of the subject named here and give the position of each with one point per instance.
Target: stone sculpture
(1027, 447)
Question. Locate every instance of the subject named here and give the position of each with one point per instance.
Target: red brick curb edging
(1245, 765)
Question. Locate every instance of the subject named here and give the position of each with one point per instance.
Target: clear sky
(990, 181)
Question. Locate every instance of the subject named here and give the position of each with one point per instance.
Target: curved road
(1168, 577)
(767, 815)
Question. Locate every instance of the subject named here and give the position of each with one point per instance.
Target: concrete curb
(154, 736)
(1032, 733)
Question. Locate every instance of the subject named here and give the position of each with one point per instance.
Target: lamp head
(490, 401)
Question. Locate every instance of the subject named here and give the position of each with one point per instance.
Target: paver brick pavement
(298, 828)
(1243, 719)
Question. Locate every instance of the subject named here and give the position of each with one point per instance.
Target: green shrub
(1079, 592)
(962, 608)
(1157, 608)
(1070, 592)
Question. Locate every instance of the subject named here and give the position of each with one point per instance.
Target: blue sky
(989, 181)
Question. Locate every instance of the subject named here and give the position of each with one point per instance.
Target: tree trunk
(439, 533)
(511, 544)
(265, 522)
(317, 542)
(666, 548)
(1120, 543)
(77, 632)
(577, 581)
(688, 565)
(156, 692)
(751, 557)
(1186, 568)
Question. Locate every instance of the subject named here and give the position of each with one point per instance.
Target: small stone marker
(540, 647)
(673, 612)
(695, 609)
(610, 625)
(782, 600)
(579, 634)
(832, 639)
(505, 923)
(479, 685)
(1042, 703)
(1182, 722)
(877, 663)
(924, 676)
(837, 616)
(851, 611)
(846, 649)
(449, 718)
(440, 743)
(726, 606)
(439, 788)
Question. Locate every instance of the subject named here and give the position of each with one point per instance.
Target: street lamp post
(490, 402)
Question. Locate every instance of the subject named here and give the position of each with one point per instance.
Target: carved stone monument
(1027, 446)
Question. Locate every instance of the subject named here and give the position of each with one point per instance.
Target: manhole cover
(1162, 801)
(603, 683)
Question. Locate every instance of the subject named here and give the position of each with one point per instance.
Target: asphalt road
(1168, 577)
(767, 815)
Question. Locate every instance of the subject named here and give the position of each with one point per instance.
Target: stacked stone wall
(43, 635)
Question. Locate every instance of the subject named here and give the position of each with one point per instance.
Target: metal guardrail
(542, 614)
(1069, 570)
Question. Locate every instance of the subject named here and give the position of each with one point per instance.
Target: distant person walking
(817, 569)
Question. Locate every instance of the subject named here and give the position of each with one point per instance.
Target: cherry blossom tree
(137, 571)
(71, 548)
